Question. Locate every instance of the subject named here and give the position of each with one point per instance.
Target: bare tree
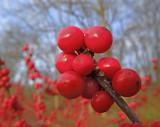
(134, 25)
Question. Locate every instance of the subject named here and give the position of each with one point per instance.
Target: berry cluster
(35, 74)
(4, 78)
(76, 63)
(11, 107)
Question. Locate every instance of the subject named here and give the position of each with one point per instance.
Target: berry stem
(116, 97)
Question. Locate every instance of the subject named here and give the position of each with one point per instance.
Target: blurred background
(133, 23)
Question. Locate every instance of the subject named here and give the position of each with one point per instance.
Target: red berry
(125, 125)
(70, 39)
(38, 85)
(25, 48)
(144, 98)
(120, 113)
(137, 125)
(98, 39)
(143, 88)
(30, 54)
(5, 71)
(2, 83)
(156, 124)
(2, 62)
(27, 60)
(126, 82)
(64, 61)
(83, 64)
(101, 101)
(155, 67)
(32, 77)
(5, 79)
(109, 66)
(154, 60)
(30, 65)
(70, 84)
(91, 87)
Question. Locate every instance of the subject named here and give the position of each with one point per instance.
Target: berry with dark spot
(126, 82)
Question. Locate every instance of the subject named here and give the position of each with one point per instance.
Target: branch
(107, 86)
(104, 83)
(101, 11)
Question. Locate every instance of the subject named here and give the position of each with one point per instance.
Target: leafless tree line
(134, 24)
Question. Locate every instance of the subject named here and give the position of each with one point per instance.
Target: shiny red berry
(91, 87)
(70, 39)
(101, 101)
(5, 71)
(126, 82)
(109, 66)
(5, 79)
(83, 64)
(156, 124)
(64, 61)
(98, 39)
(70, 84)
